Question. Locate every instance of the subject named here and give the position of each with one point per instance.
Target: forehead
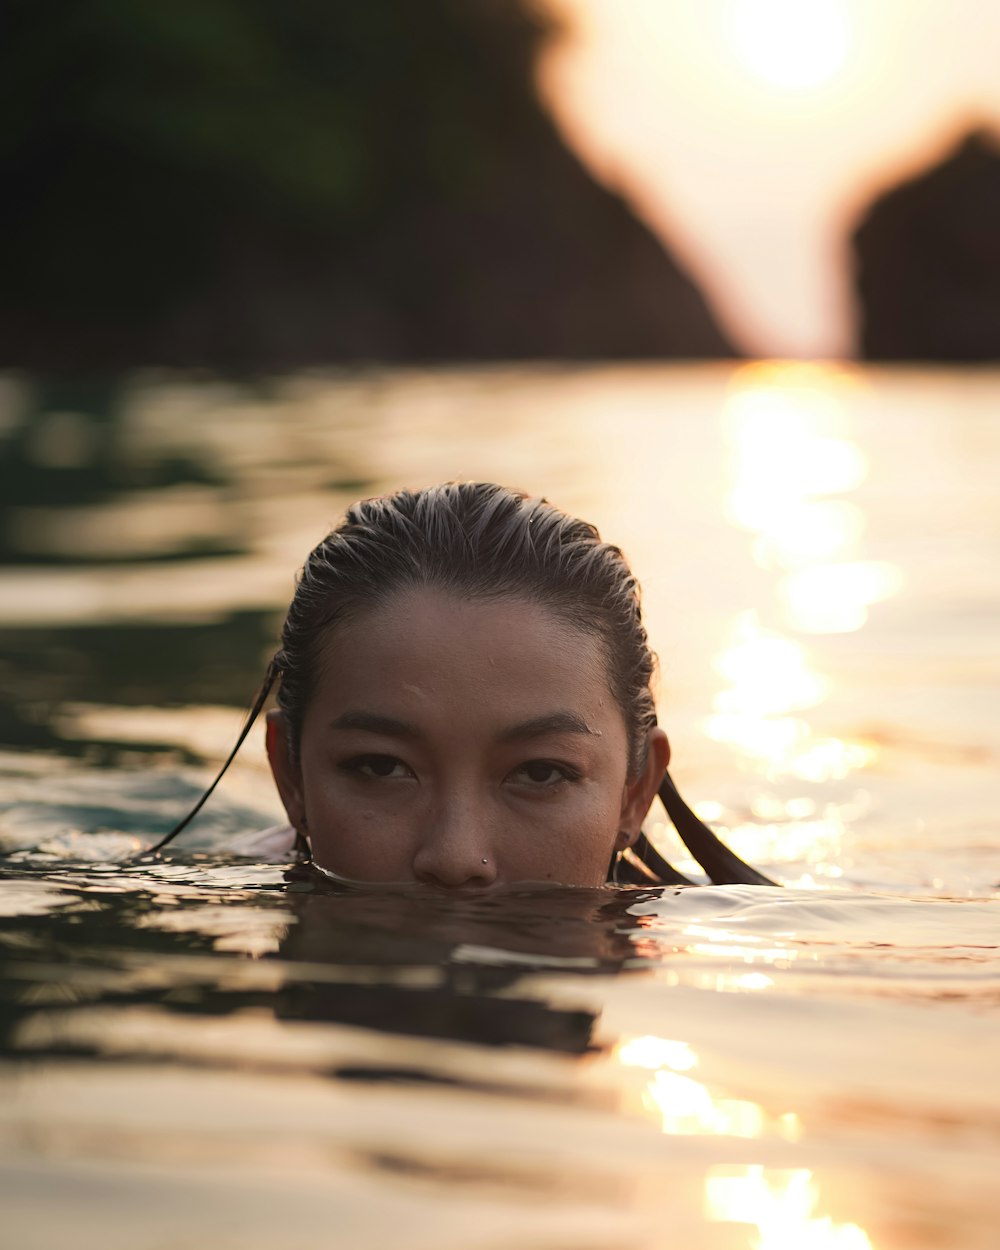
(500, 659)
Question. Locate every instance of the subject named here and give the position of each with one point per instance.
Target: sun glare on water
(788, 428)
(793, 44)
(783, 1207)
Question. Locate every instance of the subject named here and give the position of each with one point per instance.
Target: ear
(640, 790)
(287, 774)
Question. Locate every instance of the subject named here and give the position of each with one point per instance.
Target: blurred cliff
(257, 185)
(928, 261)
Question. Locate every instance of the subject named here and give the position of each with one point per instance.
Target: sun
(793, 44)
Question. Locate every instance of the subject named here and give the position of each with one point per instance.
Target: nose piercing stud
(486, 861)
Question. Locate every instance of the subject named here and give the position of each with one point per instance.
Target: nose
(455, 853)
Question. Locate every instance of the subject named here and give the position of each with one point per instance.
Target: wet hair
(476, 541)
(481, 541)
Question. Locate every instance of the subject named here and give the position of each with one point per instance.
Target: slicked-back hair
(477, 541)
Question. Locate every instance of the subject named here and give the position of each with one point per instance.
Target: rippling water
(204, 1049)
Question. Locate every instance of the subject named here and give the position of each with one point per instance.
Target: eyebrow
(375, 723)
(552, 723)
(536, 727)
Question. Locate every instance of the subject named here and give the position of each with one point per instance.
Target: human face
(463, 744)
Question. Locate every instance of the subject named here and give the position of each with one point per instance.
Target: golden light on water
(781, 1204)
(835, 598)
(816, 842)
(769, 673)
(716, 943)
(683, 1105)
(653, 1052)
(770, 678)
(810, 529)
(791, 457)
(785, 427)
(791, 44)
(686, 1106)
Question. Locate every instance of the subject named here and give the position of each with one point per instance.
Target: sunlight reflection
(834, 598)
(656, 1052)
(781, 1204)
(32, 898)
(770, 677)
(792, 44)
(752, 981)
(786, 426)
(252, 931)
(744, 947)
(207, 729)
(769, 673)
(768, 807)
(787, 747)
(815, 842)
(801, 532)
(784, 463)
(685, 1106)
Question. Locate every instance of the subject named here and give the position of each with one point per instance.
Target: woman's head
(427, 631)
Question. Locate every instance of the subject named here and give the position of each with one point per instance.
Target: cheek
(361, 846)
(352, 835)
(603, 822)
(572, 845)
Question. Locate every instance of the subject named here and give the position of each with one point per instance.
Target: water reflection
(683, 1105)
(786, 427)
(771, 678)
(50, 676)
(77, 484)
(835, 598)
(400, 963)
(118, 470)
(770, 674)
(219, 1017)
(787, 430)
(481, 948)
(586, 929)
(781, 1204)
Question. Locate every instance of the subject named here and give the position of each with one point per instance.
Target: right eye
(378, 767)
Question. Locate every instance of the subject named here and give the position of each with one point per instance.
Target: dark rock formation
(928, 255)
(263, 185)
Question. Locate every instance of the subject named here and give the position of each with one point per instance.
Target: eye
(381, 767)
(542, 774)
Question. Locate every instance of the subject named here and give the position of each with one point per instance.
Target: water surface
(206, 1049)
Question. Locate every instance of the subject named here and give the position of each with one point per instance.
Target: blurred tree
(260, 184)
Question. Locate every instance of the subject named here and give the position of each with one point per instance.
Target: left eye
(376, 767)
(542, 773)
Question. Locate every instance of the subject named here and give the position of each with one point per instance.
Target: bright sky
(749, 133)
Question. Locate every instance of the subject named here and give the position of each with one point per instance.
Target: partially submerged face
(464, 744)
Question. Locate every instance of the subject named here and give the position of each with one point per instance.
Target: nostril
(474, 881)
(452, 875)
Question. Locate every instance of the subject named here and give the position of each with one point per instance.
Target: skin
(444, 733)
